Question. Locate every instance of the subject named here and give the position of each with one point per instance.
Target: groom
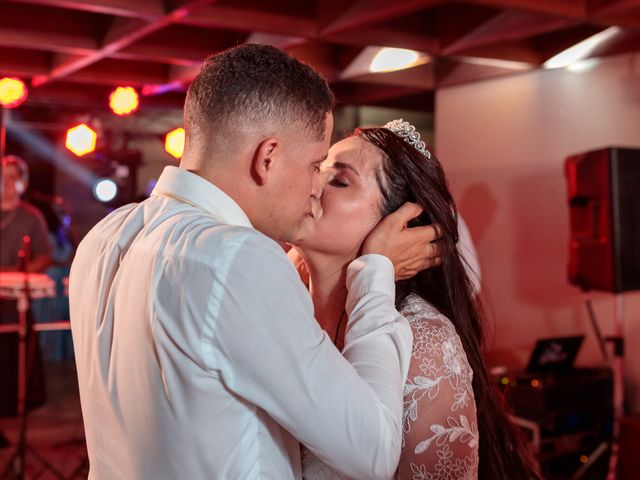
(196, 348)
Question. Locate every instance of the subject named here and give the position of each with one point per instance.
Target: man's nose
(318, 184)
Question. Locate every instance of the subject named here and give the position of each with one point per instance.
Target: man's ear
(264, 159)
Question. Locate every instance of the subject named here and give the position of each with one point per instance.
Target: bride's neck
(327, 286)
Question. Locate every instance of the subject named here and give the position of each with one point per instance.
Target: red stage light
(81, 139)
(174, 142)
(124, 100)
(13, 92)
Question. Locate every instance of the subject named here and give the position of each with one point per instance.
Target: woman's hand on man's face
(409, 249)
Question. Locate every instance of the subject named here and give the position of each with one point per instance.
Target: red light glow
(13, 92)
(124, 101)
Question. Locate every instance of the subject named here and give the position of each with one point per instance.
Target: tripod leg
(45, 463)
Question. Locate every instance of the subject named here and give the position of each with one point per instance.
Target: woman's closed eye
(338, 182)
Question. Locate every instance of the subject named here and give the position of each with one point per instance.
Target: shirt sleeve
(274, 354)
(439, 421)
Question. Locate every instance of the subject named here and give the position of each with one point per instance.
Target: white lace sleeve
(439, 421)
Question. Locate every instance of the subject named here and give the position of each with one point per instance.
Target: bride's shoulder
(427, 322)
(415, 308)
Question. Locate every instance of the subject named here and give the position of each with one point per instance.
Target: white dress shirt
(198, 355)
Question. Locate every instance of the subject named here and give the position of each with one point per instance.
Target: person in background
(19, 219)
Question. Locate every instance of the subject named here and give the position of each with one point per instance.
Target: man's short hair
(253, 84)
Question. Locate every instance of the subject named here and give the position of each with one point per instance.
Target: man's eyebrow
(343, 165)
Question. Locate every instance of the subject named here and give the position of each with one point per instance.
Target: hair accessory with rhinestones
(409, 134)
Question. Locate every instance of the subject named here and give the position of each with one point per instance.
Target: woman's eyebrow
(343, 165)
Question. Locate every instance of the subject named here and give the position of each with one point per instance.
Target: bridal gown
(440, 433)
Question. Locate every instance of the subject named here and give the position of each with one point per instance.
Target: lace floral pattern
(440, 440)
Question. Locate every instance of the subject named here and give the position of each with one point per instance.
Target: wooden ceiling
(76, 51)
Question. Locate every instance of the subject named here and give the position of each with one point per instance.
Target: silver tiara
(409, 134)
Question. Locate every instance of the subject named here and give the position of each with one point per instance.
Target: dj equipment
(23, 287)
(568, 414)
(14, 303)
(604, 201)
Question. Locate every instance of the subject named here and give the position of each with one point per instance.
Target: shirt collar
(192, 189)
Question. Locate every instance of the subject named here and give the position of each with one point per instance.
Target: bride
(454, 424)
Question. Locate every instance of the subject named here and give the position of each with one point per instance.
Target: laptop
(554, 354)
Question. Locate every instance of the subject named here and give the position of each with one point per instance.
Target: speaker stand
(616, 364)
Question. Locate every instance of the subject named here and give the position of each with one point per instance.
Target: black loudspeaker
(604, 207)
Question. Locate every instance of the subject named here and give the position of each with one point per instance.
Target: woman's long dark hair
(408, 175)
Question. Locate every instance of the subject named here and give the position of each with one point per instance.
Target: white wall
(503, 143)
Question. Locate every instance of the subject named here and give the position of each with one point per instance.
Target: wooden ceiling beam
(623, 13)
(367, 12)
(247, 20)
(68, 95)
(162, 53)
(365, 94)
(609, 7)
(52, 29)
(144, 9)
(521, 51)
(562, 8)
(386, 38)
(420, 78)
(116, 72)
(507, 26)
(153, 54)
(450, 72)
(64, 42)
(123, 32)
(23, 63)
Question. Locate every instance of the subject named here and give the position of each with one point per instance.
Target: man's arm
(274, 354)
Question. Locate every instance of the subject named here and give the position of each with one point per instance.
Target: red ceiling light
(81, 139)
(13, 92)
(124, 101)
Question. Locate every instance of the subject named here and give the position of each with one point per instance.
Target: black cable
(596, 327)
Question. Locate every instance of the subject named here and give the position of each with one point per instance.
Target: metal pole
(618, 384)
(4, 118)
